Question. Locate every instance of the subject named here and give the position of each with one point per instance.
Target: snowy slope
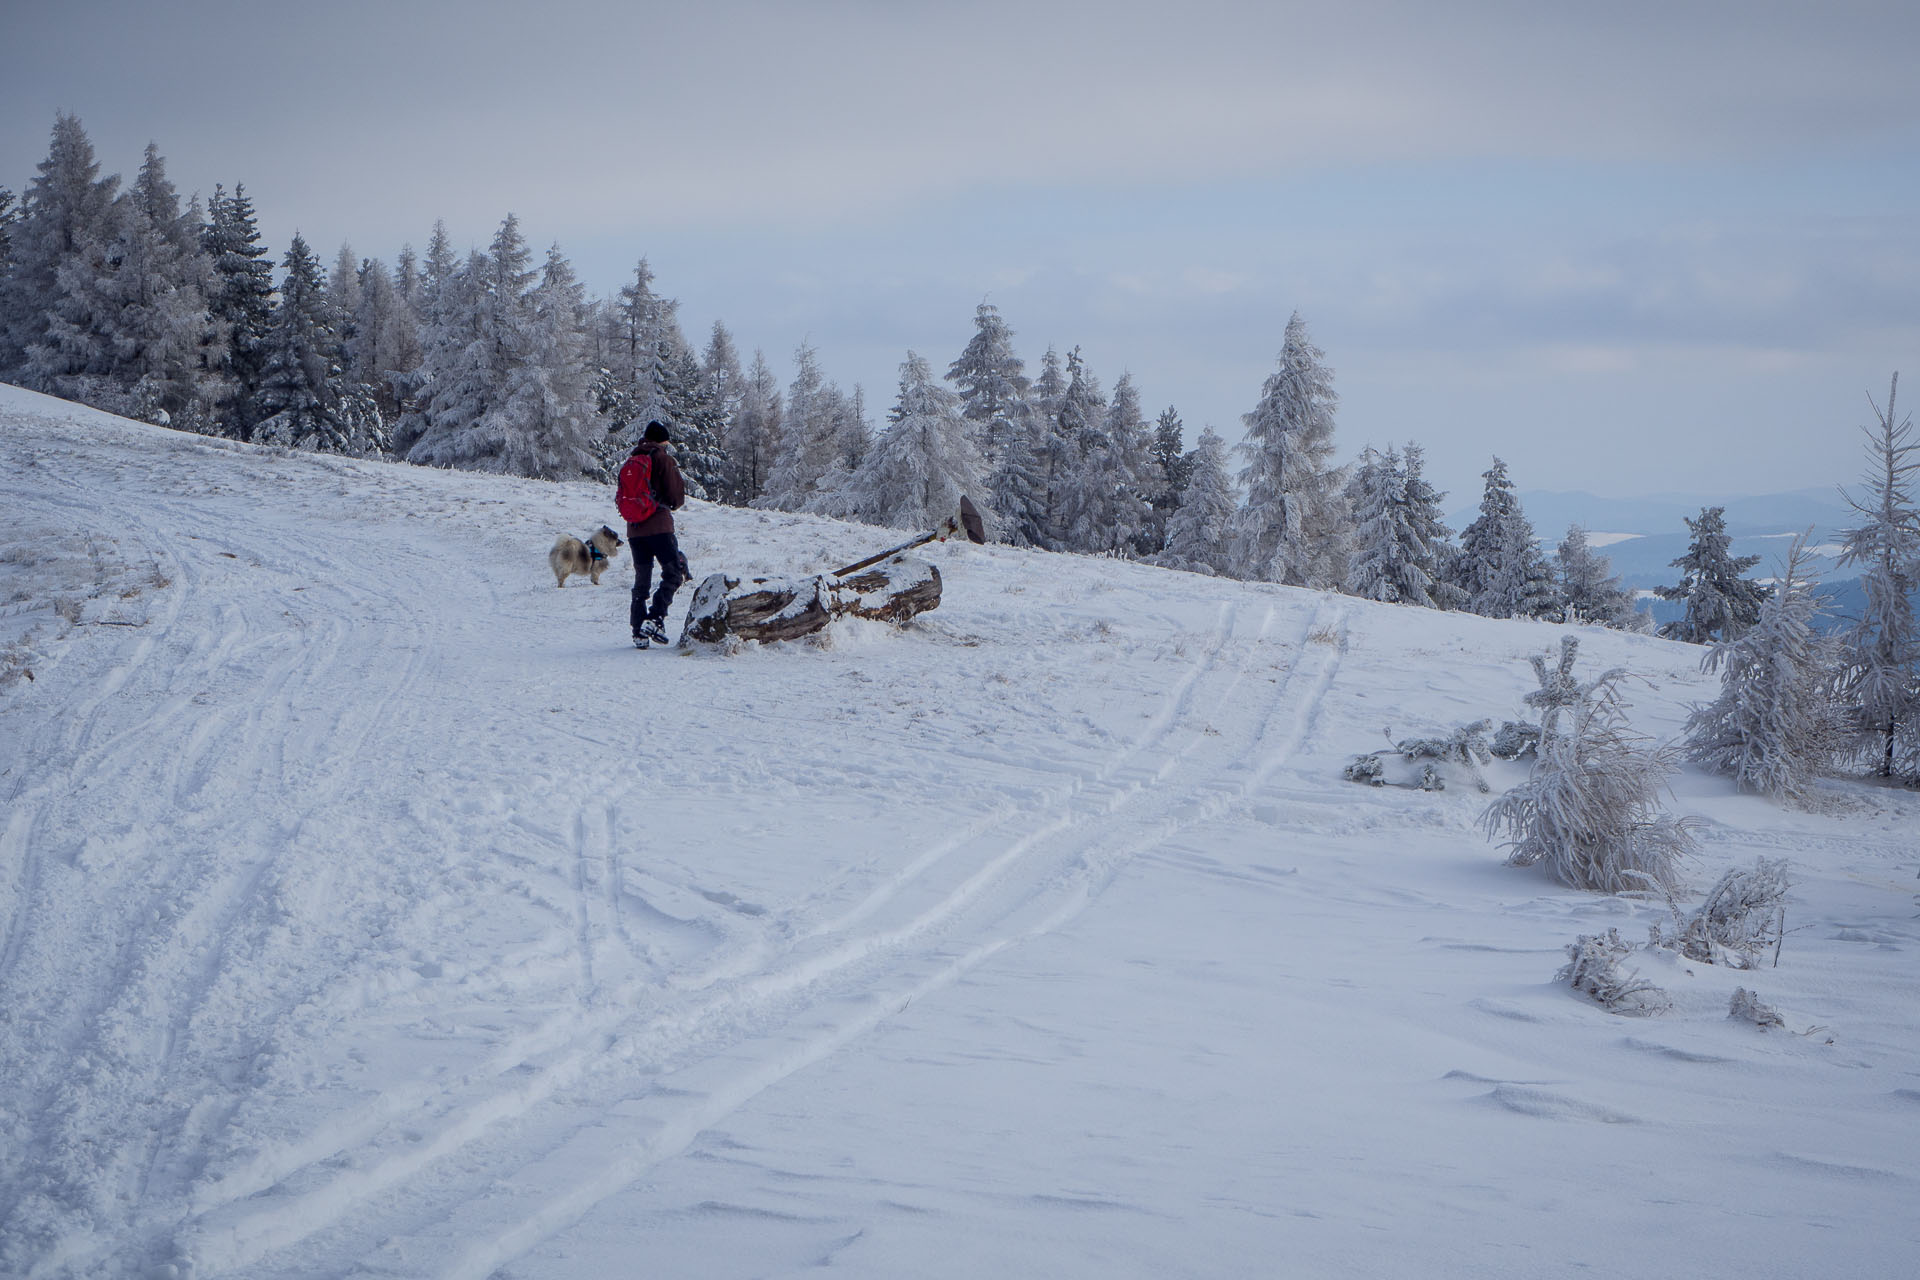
(370, 908)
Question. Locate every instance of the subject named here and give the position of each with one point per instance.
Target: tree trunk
(768, 609)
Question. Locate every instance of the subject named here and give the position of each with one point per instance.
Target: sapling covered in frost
(1882, 679)
(1774, 728)
(1743, 918)
(1593, 968)
(1590, 810)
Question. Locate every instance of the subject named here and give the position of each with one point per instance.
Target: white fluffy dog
(590, 558)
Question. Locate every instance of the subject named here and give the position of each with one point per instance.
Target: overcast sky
(1628, 247)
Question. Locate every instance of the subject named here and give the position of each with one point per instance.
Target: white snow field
(371, 908)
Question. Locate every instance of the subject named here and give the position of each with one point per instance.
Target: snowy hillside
(369, 907)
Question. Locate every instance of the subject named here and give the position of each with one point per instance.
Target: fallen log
(768, 609)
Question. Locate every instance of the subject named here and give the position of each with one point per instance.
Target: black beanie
(656, 431)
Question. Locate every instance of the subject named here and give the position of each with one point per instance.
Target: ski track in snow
(338, 938)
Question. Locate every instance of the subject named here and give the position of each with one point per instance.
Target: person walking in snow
(649, 491)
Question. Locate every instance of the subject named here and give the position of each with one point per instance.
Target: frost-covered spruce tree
(1107, 509)
(387, 337)
(1426, 514)
(1389, 556)
(754, 434)
(474, 355)
(511, 386)
(129, 330)
(1083, 475)
(1500, 567)
(1172, 467)
(928, 456)
(724, 384)
(299, 404)
(1052, 452)
(1293, 528)
(65, 209)
(241, 302)
(1721, 604)
(1881, 683)
(805, 451)
(1200, 529)
(445, 320)
(992, 382)
(1590, 809)
(9, 214)
(698, 423)
(1590, 588)
(1774, 728)
(545, 422)
(1016, 485)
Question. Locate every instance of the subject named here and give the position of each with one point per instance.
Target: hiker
(649, 492)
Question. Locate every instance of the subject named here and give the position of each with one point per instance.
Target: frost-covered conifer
(1425, 512)
(443, 327)
(724, 386)
(928, 456)
(545, 421)
(1590, 809)
(640, 336)
(1721, 604)
(299, 404)
(1168, 475)
(1293, 528)
(1389, 557)
(241, 301)
(1500, 567)
(1200, 529)
(9, 214)
(1108, 508)
(65, 210)
(1589, 587)
(129, 330)
(1054, 452)
(386, 348)
(755, 433)
(1016, 485)
(806, 449)
(1774, 727)
(697, 422)
(1086, 476)
(992, 383)
(1881, 681)
(510, 387)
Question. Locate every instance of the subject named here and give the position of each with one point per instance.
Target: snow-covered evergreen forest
(171, 311)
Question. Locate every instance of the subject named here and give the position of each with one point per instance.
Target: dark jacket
(669, 490)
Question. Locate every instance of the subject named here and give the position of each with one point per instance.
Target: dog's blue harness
(593, 552)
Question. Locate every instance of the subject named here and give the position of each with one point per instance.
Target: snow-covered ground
(370, 907)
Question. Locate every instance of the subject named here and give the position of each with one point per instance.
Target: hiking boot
(641, 640)
(655, 629)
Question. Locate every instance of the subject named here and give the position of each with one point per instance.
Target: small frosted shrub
(1590, 809)
(1593, 969)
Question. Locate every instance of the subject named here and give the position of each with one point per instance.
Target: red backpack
(634, 493)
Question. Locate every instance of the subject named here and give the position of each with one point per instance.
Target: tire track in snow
(227, 1237)
(1074, 856)
(489, 1245)
(203, 880)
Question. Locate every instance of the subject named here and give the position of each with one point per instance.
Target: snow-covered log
(788, 608)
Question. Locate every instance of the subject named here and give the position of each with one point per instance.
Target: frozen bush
(1747, 1005)
(1743, 917)
(1590, 809)
(1593, 969)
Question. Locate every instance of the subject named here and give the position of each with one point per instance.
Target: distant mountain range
(1643, 536)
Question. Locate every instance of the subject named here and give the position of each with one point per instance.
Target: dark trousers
(665, 549)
